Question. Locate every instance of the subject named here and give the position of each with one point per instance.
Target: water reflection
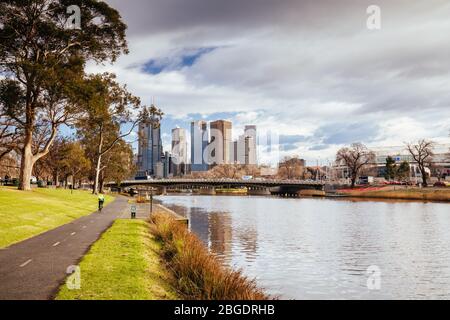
(321, 249)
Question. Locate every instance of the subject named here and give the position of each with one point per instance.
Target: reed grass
(197, 274)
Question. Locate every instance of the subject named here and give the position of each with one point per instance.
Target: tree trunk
(27, 162)
(97, 174)
(353, 179)
(424, 177)
(56, 178)
(101, 184)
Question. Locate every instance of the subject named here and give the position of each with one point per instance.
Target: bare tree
(9, 135)
(356, 158)
(230, 171)
(291, 168)
(422, 153)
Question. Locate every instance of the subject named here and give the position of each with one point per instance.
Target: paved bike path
(35, 268)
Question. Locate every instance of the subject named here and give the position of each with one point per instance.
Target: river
(322, 248)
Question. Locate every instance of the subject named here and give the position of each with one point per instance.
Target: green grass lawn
(26, 214)
(123, 264)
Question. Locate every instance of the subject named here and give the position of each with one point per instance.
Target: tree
(8, 133)
(422, 153)
(42, 59)
(230, 171)
(390, 168)
(356, 158)
(52, 161)
(402, 172)
(291, 168)
(9, 166)
(74, 160)
(118, 164)
(108, 108)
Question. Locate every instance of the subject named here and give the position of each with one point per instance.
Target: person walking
(101, 201)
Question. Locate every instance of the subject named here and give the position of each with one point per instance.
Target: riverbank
(158, 259)
(399, 193)
(124, 264)
(24, 214)
(196, 273)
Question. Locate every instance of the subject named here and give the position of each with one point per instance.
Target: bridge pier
(311, 193)
(258, 191)
(207, 191)
(160, 191)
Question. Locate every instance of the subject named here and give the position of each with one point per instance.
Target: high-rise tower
(199, 143)
(179, 151)
(221, 137)
(150, 148)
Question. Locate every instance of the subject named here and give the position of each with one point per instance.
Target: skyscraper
(150, 148)
(221, 139)
(245, 150)
(250, 131)
(199, 143)
(179, 151)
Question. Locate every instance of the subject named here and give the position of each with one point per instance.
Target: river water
(322, 248)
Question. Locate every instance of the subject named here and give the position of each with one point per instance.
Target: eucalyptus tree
(42, 58)
(118, 165)
(110, 113)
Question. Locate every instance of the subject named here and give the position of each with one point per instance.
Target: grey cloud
(163, 16)
(288, 147)
(291, 139)
(339, 133)
(318, 147)
(300, 62)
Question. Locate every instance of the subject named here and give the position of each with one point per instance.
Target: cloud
(308, 69)
(338, 133)
(183, 59)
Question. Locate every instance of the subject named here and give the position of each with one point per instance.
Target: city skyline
(187, 151)
(324, 81)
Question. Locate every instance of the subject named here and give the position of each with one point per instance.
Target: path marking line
(56, 244)
(25, 263)
(73, 233)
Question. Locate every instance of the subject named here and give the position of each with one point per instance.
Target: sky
(310, 70)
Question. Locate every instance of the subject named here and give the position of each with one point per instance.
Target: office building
(221, 139)
(250, 131)
(149, 148)
(179, 151)
(199, 143)
(246, 153)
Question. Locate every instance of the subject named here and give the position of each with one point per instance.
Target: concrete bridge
(254, 186)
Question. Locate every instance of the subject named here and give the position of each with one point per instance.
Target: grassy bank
(196, 274)
(26, 214)
(424, 194)
(123, 265)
